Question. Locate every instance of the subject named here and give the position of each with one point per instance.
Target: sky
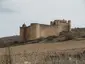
(13, 13)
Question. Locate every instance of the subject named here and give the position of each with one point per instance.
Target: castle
(36, 30)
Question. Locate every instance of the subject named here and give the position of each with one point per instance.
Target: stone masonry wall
(36, 30)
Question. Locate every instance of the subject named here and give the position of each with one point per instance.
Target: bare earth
(66, 45)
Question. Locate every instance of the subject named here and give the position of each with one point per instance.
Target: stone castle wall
(49, 31)
(36, 30)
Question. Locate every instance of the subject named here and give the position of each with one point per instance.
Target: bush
(67, 35)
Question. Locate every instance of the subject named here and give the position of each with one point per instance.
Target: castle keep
(36, 30)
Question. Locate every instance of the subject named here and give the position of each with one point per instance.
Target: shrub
(67, 35)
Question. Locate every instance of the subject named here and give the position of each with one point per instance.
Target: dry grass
(54, 46)
(67, 52)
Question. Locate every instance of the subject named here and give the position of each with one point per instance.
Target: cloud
(4, 8)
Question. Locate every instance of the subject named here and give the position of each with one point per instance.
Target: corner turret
(24, 25)
(23, 32)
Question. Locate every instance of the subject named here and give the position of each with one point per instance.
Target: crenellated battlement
(56, 22)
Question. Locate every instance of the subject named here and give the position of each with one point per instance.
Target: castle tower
(62, 25)
(23, 32)
(34, 31)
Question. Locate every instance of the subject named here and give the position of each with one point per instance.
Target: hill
(75, 33)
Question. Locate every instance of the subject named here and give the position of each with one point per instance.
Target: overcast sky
(13, 13)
